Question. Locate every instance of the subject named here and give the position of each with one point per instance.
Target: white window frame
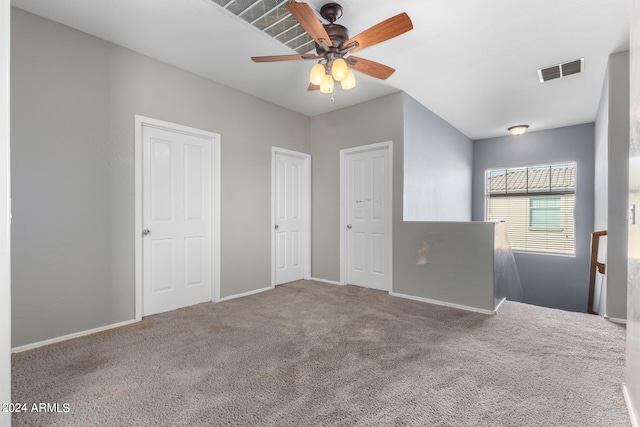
(538, 194)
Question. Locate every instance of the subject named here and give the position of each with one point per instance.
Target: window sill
(546, 230)
(523, 252)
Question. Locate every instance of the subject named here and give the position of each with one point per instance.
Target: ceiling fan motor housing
(338, 35)
(331, 12)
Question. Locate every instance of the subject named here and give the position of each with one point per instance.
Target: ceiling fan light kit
(349, 81)
(327, 84)
(330, 72)
(339, 69)
(333, 46)
(317, 74)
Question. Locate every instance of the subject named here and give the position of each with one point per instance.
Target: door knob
(349, 226)
(146, 231)
(277, 226)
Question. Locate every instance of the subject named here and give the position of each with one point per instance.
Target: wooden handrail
(594, 266)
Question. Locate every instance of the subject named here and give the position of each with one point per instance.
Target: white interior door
(367, 203)
(290, 216)
(177, 219)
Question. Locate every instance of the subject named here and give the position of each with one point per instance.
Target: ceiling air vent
(272, 17)
(561, 70)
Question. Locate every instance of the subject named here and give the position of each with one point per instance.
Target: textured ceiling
(474, 63)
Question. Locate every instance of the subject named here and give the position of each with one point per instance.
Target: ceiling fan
(334, 47)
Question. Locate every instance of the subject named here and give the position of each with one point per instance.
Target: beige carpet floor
(312, 354)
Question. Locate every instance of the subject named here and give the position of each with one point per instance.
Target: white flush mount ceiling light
(518, 129)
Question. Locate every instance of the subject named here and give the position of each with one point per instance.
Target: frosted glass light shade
(327, 84)
(339, 69)
(349, 81)
(317, 74)
(518, 130)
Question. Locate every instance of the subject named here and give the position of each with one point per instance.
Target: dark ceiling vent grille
(561, 70)
(572, 67)
(550, 73)
(272, 17)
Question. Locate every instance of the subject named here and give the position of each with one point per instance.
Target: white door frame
(141, 121)
(306, 210)
(5, 213)
(343, 210)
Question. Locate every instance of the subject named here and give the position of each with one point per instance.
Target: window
(544, 212)
(537, 203)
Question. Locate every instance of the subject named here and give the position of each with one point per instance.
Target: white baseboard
(70, 336)
(495, 310)
(244, 294)
(444, 303)
(331, 282)
(107, 327)
(617, 320)
(632, 412)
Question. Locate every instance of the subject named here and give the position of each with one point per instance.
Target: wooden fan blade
(385, 30)
(371, 68)
(276, 58)
(308, 20)
(313, 87)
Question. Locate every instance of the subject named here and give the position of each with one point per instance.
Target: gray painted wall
(388, 119)
(632, 373)
(547, 280)
(618, 207)
(601, 191)
(396, 118)
(467, 264)
(437, 167)
(438, 162)
(612, 177)
(375, 121)
(460, 262)
(601, 170)
(507, 280)
(73, 106)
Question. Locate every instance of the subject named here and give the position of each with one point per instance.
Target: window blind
(537, 203)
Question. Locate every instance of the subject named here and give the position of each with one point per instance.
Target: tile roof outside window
(549, 178)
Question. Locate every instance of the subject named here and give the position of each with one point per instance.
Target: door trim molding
(141, 121)
(306, 210)
(388, 145)
(5, 209)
